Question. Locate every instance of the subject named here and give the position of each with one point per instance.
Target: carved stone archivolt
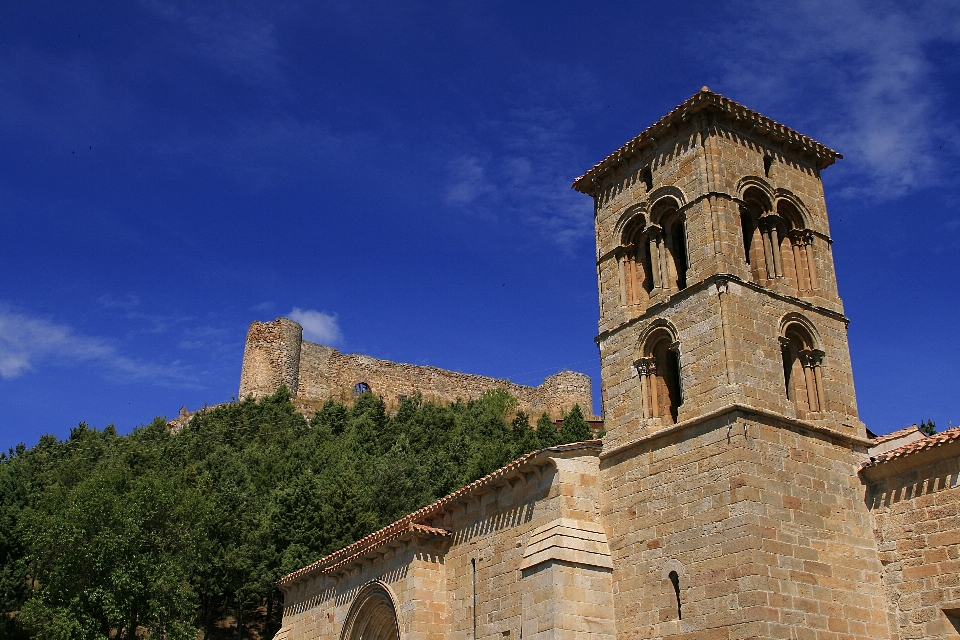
(373, 615)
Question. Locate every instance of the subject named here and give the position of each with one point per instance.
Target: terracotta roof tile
(412, 522)
(701, 100)
(896, 434)
(930, 442)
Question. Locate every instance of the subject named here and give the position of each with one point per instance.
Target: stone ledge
(739, 408)
(569, 540)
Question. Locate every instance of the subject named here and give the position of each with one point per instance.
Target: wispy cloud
(861, 76)
(521, 166)
(127, 302)
(231, 37)
(27, 341)
(467, 181)
(318, 326)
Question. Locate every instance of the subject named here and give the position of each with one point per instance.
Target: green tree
(575, 428)
(547, 432)
(929, 427)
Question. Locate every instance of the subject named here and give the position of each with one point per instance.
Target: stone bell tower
(715, 271)
(729, 470)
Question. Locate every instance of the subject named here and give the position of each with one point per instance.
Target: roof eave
(703, 99)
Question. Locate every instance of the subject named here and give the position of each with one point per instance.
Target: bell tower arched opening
(660, 381)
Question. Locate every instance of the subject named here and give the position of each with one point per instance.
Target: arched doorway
(372, 616)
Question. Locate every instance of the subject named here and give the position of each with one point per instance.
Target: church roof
(901, 433)
(929, 442)
(414, 523)
(706, 99)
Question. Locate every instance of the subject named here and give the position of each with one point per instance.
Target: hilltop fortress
(275, 354)
(736, 495)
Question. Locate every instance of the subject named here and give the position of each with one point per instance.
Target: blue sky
(398, 176)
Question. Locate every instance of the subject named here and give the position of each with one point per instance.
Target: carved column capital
(811, 358)
(768, 221)
(655, 232)
(646, 366)
(816, 357)
(798, 237)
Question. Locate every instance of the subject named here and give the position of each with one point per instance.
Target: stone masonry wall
(484, 562)
(764, 524)
(271, 357)
(915, 502)
(321, 372)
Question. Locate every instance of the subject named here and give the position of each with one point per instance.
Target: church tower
(729, 471)
(716, 278)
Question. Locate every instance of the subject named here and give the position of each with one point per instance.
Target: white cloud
(467, 181)
(26, 341)
(860, 76)
(317, 326)
(522, 168)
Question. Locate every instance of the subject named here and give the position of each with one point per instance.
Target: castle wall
(915, 501)
(271, 357)
(764, 524)
(275, 354)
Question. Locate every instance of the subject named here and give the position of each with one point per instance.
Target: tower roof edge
(699, 101)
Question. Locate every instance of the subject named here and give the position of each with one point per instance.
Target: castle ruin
(275, 354)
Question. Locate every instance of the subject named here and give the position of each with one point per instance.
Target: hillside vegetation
(183, 536)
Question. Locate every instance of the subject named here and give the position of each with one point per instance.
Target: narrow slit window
(646, 176)
(675, 580)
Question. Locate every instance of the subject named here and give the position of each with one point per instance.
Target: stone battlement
(276, 354)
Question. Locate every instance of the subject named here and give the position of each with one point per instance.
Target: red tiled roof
(413, 528)
(701, 100)
(936, 440)
(412, 522)
(896, 434)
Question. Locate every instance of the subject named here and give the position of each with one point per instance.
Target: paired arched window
(653, 256)
(659, 370)
(372, 616)
(776, 243)
(802, 375)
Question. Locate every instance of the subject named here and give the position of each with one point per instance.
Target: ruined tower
(732, 431)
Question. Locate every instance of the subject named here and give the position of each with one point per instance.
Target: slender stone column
(806, 358)
(771, 246)
(767, 253)
(654, 388)
(799, 258)
(811, 261)
(641, 365)
(816, 359)
(637, 280)
(625, 280)
(629, 275)
(656, 263)
(775, 245)
(647, 368)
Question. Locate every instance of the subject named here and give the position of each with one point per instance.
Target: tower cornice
(705, 100)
